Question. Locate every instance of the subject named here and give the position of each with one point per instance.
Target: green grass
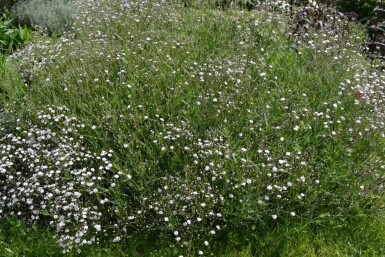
(364, 238)
(227, 137)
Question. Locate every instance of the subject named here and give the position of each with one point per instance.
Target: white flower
(97, 227)
(116, 239)
(274, 216)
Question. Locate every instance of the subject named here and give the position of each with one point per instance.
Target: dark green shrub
(363, 8)
(6, 4)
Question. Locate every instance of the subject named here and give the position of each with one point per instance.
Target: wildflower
(116, 239)
(97, 227)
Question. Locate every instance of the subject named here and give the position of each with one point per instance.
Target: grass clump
(195, 127)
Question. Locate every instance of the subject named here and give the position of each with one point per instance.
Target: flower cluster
(49, 177)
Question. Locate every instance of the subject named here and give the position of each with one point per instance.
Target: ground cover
(154, 129)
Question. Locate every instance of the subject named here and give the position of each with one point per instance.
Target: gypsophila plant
(189, 124)
(48, 177)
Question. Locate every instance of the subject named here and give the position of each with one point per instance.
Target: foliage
(194, 127)
(53, 15)
(363, 8)
(7, 123)
(6, 5)
(11, 36)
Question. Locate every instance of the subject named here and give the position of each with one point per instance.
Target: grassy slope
(166, 65)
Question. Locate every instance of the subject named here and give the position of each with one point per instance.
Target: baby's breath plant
(192, 125)
(49, 178)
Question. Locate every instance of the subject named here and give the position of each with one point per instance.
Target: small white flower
(116, 239)
(97, 227)
(274, 216)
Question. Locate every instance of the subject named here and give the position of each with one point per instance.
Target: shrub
(53, 15)
(6, 4)
(363, 8)
(217, 126)
(47, 175)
